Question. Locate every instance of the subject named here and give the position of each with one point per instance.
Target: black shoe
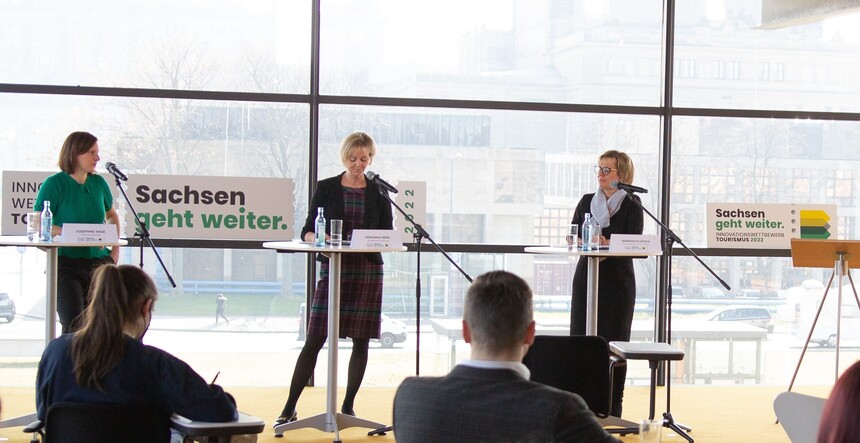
(343, 410)
(284, 419)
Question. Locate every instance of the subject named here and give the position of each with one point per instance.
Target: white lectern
(52, 252)
(594, 259)
(330, 420)
(50, 272)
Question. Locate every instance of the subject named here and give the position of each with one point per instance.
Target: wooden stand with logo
(808, 253)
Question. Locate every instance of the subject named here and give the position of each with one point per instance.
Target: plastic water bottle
(319, 232)
(595, 234)
(586, 232)
(47, 221)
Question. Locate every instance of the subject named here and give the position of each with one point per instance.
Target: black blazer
(329, 195)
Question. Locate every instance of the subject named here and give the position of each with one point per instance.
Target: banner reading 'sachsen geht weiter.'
(226, 208)
(235, 208)
(767, 226)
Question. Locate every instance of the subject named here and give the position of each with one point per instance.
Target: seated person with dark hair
(105, 362)
(839, 422)
(490, 398)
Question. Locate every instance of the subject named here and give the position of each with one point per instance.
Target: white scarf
(602, 209)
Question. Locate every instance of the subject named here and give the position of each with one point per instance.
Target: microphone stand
(142, 232)
(418, 234)
(670, 239)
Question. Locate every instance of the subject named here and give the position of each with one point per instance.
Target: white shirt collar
(515, 366)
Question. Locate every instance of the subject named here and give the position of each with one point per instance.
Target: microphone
(374, 177)
(111, 167)
(629, 188)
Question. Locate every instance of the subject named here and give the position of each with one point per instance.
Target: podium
(330, 420)
(835, 254)
(594, 258)
(52, 250)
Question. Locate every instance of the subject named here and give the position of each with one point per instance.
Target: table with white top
(331, 420)
(594, 259)
(52, 251)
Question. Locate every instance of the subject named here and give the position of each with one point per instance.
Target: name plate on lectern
(649, 244)
(99, 233)
(374, 238)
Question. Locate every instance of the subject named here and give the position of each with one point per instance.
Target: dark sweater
(144, 375)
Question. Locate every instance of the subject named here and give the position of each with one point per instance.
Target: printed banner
(19, 193)
(224, 208)
(767, 226)
(172, 206)
(412, 198)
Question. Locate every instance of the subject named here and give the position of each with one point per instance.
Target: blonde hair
(354, 141)
(622, 162)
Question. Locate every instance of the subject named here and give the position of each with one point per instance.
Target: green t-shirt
(72, 202)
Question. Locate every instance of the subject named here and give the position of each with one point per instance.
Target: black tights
(307, 361)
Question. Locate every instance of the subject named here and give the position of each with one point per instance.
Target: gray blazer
(490, 405)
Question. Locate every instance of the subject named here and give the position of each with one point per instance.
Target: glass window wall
(222, 45)
(502, 112)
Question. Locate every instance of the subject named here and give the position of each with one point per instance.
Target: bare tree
(170, 136)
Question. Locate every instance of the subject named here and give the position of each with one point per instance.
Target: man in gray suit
(490, 398)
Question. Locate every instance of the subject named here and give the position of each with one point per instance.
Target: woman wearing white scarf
(616, 296)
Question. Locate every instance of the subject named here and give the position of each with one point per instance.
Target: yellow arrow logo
(813, 217)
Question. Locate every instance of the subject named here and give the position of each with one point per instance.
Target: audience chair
(799, 415)
(580, 364)
(75, 423)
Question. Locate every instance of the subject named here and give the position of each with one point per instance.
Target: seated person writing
(105, 362)
(490, 398)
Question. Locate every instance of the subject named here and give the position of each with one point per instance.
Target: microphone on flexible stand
(113, 169)
(375, 178)
(629, 188)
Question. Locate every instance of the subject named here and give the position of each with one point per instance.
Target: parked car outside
(678, 291)
(756, 293)
(708, 292)
(7, 307)
(756, 316)
(391, 332)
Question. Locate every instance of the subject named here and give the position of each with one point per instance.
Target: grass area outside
(238, 304)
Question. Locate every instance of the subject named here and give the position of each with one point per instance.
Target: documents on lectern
(89, 233)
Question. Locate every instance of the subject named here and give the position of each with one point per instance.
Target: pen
(216, 378)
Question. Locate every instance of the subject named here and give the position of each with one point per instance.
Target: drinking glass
(650, 431)
(572, 232)
(336, 232)
(34, 223)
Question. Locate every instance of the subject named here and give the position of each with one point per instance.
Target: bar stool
(654, 353)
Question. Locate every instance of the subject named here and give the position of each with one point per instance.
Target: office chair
(580, 364)
(76, 422)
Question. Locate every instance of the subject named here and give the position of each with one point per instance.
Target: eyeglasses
(605, 170)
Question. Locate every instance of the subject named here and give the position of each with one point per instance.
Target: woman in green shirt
(78, 195)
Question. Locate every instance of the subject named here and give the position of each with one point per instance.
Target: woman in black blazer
(616, 296)
(357, 201)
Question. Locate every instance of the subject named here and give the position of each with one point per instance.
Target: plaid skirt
(360, 299)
